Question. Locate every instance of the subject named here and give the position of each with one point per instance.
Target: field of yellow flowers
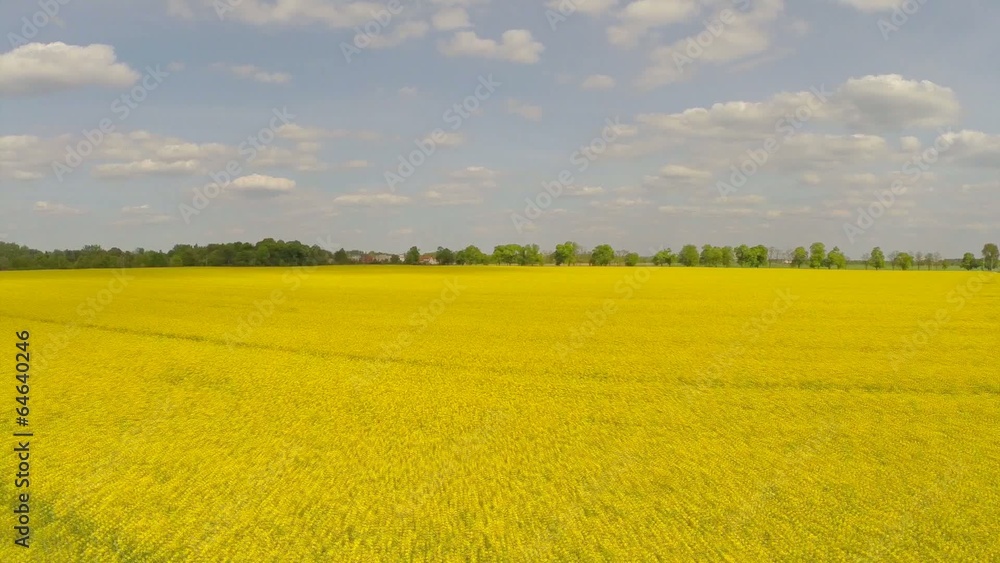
(506, 414)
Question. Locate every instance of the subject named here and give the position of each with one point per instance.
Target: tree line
(270, 252)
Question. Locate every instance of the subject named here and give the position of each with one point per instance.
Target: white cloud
(142, 215)
(589, 7)
(445, 139)
(257, 74)
(742, 34)
(257, 184)
(971, 147)
(147, 167)
(400, 33)
(639, 16)
(408, 91)
(56, 209)
(454, 194)
(451, 18)
(39, 68)
(621, 203)
(872, 6)
(582, 191)
(527, 111)
(867, 104)
(598, 82)
(516, 45)
(296, 132)
(371, 199)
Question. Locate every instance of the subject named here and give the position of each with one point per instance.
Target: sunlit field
(507, 414)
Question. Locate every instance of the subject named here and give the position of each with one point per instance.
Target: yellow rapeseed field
(506, 414)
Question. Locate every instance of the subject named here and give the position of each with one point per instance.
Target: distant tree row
(269, 252)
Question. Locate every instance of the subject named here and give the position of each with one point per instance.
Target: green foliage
(903, 261)
(412, 256)
(689, 255)
(991, 256)
(877, 259)
(817, 254)
(632, 259)
(800, 257)
(836, 259)
(444, 256)
(603, 255)
(566, 253)
(470, 255)
(664, 258)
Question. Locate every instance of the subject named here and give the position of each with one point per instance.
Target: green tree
(602, 255)
(412, 256)
(969, 261)
(531, 255)
(341, 257)
(836, 259)
(799, 257)
(664, 258)
(632, 259)
(728, 258)
(991, 257)
(507, 254)
(743, 255)
(904, 261)
(817, 254)
(758, 256)
(566, 253)
(444, 256)
(689, 255)
(470, 255)
(877, 259)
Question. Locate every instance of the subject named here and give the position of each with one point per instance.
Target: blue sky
(857, 168)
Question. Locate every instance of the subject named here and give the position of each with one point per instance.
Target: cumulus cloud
(866, 104)
(451, 18)
(515, 45)
(39, 68)
(257, 185)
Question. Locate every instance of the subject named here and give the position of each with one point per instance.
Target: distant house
(428, 259)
